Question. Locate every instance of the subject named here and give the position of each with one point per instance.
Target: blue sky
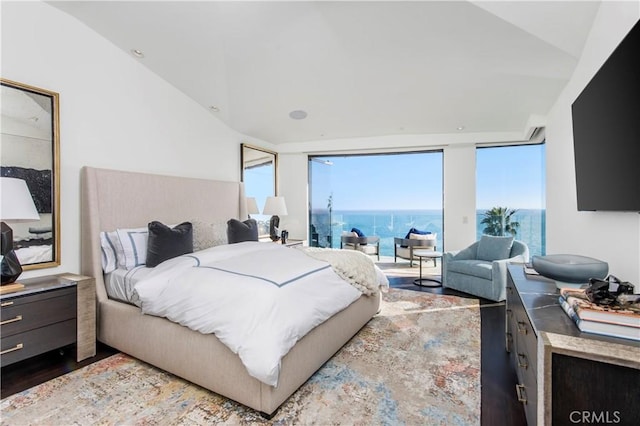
(506, 176)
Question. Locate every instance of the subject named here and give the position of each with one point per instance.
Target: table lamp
(252, 206)
(274, 206)
(16, 205)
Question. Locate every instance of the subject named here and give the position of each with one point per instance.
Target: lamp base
(11, 268)
(274, 223)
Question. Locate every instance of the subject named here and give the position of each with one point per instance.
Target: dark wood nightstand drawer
(29, 312)
(25, 345)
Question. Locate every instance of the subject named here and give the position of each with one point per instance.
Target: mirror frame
(263, 223)
(244, 146)
(55, 168)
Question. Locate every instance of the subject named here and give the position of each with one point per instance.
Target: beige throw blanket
(355, 267)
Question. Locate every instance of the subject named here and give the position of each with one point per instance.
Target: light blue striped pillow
(110, 246)
(134, 247)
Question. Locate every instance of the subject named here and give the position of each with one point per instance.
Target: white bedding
(35, 254)
(120, 282)
(259, 299)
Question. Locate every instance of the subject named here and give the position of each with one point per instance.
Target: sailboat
(390, 226)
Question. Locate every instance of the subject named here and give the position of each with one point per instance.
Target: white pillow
(207, 235)
(111, 250)
(422, 236)
(134, 247)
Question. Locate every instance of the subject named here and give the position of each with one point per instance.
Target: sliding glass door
(382, 195)
(510, 193)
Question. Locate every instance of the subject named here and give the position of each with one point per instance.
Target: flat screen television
(606, 132)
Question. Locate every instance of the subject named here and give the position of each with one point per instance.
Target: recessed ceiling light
(214, 108)
(137, 53)
(460, 127)
(298, 114)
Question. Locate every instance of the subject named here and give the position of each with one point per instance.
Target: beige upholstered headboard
(114, 199)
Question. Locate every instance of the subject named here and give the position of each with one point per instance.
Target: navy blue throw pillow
(414, 231)
(359, 232)
(166, 243)
(238, 232)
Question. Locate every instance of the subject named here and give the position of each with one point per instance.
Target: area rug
(416, 362)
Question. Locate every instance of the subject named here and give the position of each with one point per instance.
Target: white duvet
(259, 299)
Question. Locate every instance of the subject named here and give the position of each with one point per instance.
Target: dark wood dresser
(50, 312)
(565, 376)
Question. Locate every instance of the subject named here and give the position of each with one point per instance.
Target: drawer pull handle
(9, 321)
(15, 348)
(522, 361)
(3, 304)
(522, 395)
(522, 327)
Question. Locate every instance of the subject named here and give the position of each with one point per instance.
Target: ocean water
(388, 224)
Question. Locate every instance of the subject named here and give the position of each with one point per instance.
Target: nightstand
(48, 313)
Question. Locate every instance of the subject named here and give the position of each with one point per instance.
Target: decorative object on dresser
(569, 270)
(16, 206)
(610, 314)
(49, 313)
(276, 207)
(29, 150)
(560, 370)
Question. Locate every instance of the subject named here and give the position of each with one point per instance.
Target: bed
(113, 199)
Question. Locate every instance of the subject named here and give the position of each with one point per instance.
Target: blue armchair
(481, 268)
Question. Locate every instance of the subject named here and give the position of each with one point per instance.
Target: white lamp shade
(252, 206)
(275, 206)
(16, 204)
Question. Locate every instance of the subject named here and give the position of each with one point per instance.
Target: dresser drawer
(30, 343)
(27, 313)
(526, 391)
(525, 339)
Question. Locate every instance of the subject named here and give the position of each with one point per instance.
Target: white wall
(292, 182)
(459, 196)
(114, 113)
(612, 237)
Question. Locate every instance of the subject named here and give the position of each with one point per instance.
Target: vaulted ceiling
(356, 68)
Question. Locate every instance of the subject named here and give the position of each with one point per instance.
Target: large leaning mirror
(29, 150)
(259, 173)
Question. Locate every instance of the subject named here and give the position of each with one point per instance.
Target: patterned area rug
(416, 362)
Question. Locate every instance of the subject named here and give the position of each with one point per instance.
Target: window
(510, 193)
(380, 194)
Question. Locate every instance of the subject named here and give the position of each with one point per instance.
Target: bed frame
(114, 199)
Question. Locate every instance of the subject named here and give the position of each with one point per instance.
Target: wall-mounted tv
(606, 132)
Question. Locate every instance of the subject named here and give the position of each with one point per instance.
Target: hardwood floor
(499, 403)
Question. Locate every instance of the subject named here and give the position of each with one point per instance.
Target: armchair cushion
(478, 268)
(492, 248)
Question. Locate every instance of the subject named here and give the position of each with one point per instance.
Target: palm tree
(498, 222)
